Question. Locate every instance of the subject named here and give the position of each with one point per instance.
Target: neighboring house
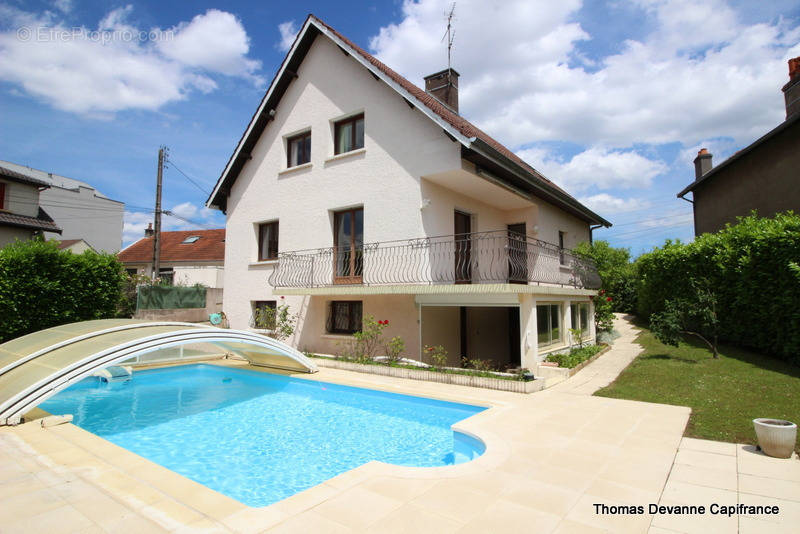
(764, 176)
(21, 213)
(188, 257)
(353, 192)
(79, 209)
(76, 246)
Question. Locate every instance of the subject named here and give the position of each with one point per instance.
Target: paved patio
(550, 457)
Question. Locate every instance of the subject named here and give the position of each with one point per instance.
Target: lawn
(725, 394)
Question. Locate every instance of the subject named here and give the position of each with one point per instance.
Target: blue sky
(609, 99)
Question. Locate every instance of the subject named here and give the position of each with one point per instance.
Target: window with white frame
(579, 314)
(548, 324)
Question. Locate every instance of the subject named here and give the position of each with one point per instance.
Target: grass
(725, 394)
(575, 357)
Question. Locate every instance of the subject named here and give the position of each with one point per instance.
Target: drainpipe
(591, 232)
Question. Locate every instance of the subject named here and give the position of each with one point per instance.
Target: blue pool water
(259, 437)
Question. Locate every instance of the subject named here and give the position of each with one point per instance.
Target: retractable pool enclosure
(36, 366)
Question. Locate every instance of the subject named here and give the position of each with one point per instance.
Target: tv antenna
(450, 34)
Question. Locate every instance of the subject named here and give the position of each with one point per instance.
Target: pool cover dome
(36, 366)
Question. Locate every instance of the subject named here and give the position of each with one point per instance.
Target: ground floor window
(344, 316)
(548, 324)
(167, 275)
(264, 314)
(579, 313)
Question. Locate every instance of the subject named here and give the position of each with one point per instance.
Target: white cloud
(608, 205)
(118, 66)
(215, 41)
(135, 223)
(65, 6)
(288, 31)
(702, 73)
(596, 168)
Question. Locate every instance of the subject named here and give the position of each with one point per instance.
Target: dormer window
(298, 149)
(349, 134)
(191, 239)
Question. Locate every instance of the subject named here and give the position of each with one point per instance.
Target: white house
(81, 211)
(188, 257)
(21, 213)
(354, 192)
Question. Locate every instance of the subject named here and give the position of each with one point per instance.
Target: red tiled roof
(465, 127)
(210, 247)
(41, 222)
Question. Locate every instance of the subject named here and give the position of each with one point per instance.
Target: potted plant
(776, 437)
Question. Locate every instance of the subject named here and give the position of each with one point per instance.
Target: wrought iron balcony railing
(475, 258)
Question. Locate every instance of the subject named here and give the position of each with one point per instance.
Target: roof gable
(209, 247)
(468, 135)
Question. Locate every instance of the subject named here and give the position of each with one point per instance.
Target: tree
(616, 271)
(694, 314)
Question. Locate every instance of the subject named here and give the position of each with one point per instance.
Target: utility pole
(157, 226)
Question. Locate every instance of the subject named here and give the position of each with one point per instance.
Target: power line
(197, 185)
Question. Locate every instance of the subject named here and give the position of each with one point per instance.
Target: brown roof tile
(15, 176)
(41, 222)
(210, 247)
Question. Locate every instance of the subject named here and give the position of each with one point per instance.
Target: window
(268, 241)
(298, 149)
(561, 248)
(344, 317)
(2, 196)
(190, 239)
(264, 314)
(132, 272)
(349, 134)
(579, 313)
(167, 275)
(348, 246)
(548, 323)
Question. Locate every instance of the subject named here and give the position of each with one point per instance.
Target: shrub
(278, 320)
(394, 349)
(438, 355)
(574, 357)
(749, 267)
(365, 343)
(42, 286)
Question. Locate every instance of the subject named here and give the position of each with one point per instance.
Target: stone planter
(776, 437)
(516, 386)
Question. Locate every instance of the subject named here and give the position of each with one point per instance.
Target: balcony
(497, 257)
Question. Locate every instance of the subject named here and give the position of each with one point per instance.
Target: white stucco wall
(400, 145)
(81, 214)
(212, 276)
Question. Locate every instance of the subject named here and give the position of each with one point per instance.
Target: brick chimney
(443, 85)
(702, 163)
(148, 232)
(791, 91)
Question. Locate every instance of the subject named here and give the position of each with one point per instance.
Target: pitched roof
(788, 123)
(50, 179)
(14, 176)
(41, 222)
(469, 135)
(210, 247)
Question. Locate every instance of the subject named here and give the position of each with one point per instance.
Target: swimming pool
(259, 437)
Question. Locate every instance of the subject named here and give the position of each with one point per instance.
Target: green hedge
(749, 267)
(42, 286)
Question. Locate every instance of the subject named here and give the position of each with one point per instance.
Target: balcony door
(517, 254)
(348, 243)
(462, 223)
